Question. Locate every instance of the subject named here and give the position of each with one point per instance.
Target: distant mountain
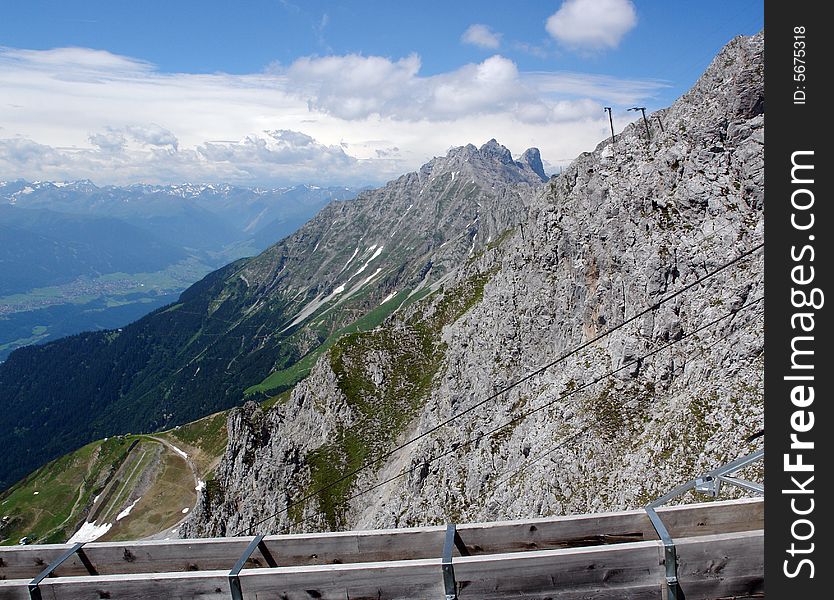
(259, 324)
(108, 255)
(203, 217)
(43, 248)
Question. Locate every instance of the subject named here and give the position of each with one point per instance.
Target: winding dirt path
(171, 531)
(179, 453)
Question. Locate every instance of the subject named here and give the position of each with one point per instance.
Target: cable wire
(517, 418)
(527, 462)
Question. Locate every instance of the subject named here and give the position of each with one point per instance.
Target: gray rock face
(622, 228)
(430, 219)
(533, 158)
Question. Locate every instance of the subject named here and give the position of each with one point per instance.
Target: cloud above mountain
(281, 155)
(78, 112)
(592, 25)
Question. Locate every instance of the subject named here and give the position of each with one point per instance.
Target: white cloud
(592, 25)
(109, 141)
(74, 61)
(152, 135)
(599, 87)
(277, 149)
(283, 155)
(353, 86)
(113, 140)
(481, 36)
(77, 113)
(357, 87)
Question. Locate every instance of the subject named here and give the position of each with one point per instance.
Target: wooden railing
(720, 548)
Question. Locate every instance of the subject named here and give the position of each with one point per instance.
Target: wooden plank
(19, 562)
(711, 567)
(722, 566)
(585, 530)
(488, 576)
(14, 589)
(205, 585)
(379, 545)
(611, 572)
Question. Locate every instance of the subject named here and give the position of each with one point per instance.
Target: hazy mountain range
(78, 257)
(258, 324)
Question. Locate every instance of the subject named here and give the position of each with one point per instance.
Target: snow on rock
(373, 256)
(350, 260)
(89, 532)
(368, 280)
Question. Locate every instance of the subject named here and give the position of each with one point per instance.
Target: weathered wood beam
(711, 566)
(378, 545)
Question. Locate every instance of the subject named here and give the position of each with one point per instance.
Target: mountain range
(79, 257)
(471, 342)
(257, 325)
(604, 350)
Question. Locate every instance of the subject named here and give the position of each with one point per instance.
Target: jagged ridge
(258, 324)
(623, 226)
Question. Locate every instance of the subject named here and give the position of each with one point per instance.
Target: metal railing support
(453, 539)
(49, 571)
(709, 483)
(234, 574)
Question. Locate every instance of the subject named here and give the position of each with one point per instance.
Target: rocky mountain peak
(495, 150)
(733, 82)
(622, 227)
(491, 164)
(532, 158)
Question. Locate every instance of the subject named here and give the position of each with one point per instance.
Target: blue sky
(271, 91)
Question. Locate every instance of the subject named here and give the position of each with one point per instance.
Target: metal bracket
(453, 539)
(670, 554)
(744, 484)
(709, 483)
(34, 585)
(234, 574)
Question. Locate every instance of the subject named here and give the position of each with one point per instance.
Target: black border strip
(797, 67)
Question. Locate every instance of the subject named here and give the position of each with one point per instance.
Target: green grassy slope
(46, 506)
(97, 482)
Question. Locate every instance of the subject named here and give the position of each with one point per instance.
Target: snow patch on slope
(127, 510)
(89, 532)
(350, 260)
(178, 451)
(368, 262)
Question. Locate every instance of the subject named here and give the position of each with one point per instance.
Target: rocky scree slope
(620, 229)
(259, 323)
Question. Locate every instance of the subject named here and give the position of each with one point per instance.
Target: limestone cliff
(621, 228)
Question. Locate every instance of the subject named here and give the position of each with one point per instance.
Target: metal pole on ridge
(611, 122)
(642, 109)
